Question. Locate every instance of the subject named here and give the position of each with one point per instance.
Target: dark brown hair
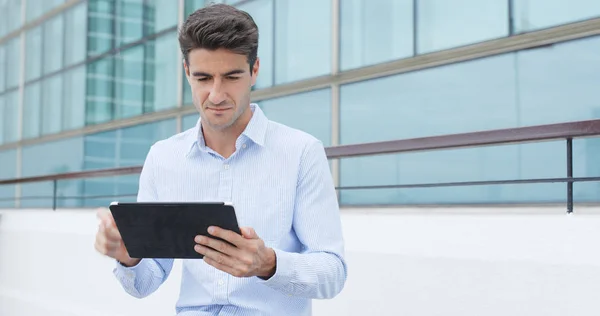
(220, 26)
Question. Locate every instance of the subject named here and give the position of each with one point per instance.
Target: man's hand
(248, 258)
(109, 241)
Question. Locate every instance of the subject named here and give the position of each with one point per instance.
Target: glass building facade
(88, 85)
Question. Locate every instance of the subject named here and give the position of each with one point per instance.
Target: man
(291, 249)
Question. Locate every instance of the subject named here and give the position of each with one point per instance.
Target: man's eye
(233, 78)
(202, 79)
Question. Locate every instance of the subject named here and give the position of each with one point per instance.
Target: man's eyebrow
(204, 74)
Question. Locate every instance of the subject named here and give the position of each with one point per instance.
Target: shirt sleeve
(148, 275)
(320, 270)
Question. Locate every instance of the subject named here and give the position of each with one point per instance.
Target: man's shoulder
(174, 144)
(284, 136)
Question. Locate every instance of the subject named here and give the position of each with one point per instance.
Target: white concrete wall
(401, 262)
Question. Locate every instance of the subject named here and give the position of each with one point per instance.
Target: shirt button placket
(225, 187)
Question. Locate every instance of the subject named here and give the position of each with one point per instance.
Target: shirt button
(226, 166)
(221, 282)
(243, 145)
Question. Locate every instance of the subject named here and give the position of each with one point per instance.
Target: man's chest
(262, 192)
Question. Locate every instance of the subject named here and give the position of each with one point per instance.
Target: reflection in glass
(100, 91)
(309, 112)
(129, 21)
(101, 30)
(302, 50)
(375, 31)
(129, 82)
(443, 24)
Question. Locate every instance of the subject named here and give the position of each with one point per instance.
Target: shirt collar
(256, 130)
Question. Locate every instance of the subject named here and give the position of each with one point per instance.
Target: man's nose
(217, 95)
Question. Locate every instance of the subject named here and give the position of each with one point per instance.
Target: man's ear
(255, 69)
(186, 69)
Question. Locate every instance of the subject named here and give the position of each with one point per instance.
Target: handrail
(547, 132)
(560, 131)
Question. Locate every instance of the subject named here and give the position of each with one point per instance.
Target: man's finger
(228, 235)
(220, 258)
(249, 233)
(105, 217)
(217, 245)
(113, 233)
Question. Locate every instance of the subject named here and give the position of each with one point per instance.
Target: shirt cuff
(284, 271)
(123, 272)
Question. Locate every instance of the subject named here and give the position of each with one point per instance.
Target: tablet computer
(167, 230)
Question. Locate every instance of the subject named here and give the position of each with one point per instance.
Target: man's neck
(223, 141)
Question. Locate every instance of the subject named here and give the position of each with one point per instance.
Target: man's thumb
(249, 233)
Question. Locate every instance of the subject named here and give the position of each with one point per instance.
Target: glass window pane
(3, 65)
(53, 44)
(162, 65)
(8, 161)
(129, 83)
(100, 91)
(193, 5)
(532, 15)
(73, 114)
(119, 148)
(10, 16)
(100, 23)
(11, 116)
(160, 15)
(31, 111)
(309, 112)
(129, 16)
(303, 50)
(34, 9)
(2, 120)
(52, 89)
(75, 34)
(33, 59)
(13, 60)
(189, 121)
(518, 89)
(375, 31)
(262, 14)
(54, 161)
(559, 83)
(444, 24)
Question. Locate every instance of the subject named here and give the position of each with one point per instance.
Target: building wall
(102, 80)
(444, 261)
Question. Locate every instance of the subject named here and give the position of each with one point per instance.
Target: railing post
(54, 195)
(570, 175)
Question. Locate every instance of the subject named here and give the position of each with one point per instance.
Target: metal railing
(551, 132)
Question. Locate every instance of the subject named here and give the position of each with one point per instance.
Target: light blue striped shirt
(280, 184)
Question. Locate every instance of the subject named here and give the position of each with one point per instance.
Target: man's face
(221, 83)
